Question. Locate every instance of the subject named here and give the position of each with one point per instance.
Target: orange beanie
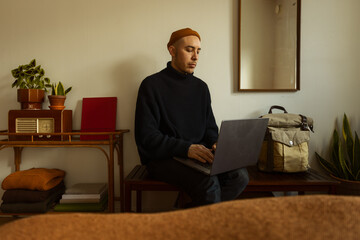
(180, 34)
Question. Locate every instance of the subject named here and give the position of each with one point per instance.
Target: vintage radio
(39, 121)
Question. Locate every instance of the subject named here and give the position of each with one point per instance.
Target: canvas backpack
(285, 147)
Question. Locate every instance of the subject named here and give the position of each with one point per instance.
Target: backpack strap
(277, 107)
(304, 124)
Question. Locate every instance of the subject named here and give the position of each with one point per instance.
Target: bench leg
(138, 201)
(127, 198)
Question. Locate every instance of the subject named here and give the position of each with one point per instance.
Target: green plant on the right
(58, 89)
(344, 162)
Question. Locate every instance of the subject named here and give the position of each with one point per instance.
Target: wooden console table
(72, 140)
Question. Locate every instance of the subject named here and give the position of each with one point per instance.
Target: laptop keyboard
(206, 164)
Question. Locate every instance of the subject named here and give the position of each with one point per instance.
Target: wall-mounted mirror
(269, 45)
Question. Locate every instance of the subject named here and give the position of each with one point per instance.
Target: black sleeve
(212, 131)
(151, 142)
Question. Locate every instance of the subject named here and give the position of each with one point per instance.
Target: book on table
(83, 199)
(82, 207)
(85, 192)
(98, 115)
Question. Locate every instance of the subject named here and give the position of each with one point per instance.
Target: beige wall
(106, 48)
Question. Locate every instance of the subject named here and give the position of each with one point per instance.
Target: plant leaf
(14, 83)
(357, 178)
(15, 73)
(37, 70)
(60, 90)
(335, 150)
(68, 90)
(32, 63)
(349, 140)
(346, 128)
(53, 91)
(328, 166)
(342, 162)
(356, 165)
(29, 72)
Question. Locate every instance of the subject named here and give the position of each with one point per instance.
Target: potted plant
(344, 164)
(58, 96)
(31, 83)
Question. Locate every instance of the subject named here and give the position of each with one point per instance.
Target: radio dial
(46, 125)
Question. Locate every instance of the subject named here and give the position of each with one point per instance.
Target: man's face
(185, 54)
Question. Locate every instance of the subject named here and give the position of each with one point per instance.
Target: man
(174, 118)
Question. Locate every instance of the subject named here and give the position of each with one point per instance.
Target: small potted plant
(344, 164)
(31, 83)
(58, 96)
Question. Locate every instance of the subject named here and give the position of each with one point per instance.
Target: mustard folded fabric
(41, 179)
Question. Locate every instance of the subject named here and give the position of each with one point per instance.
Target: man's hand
(214, 147)
(200, 153)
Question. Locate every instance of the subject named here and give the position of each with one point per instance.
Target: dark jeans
(202, 189)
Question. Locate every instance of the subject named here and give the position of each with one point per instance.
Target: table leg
(121, 173)
(111, 177)
(17, 157)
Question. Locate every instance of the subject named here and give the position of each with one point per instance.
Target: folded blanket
(29, 196)
(36, 207)
(40, 179)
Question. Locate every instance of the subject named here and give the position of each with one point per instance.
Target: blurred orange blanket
(41, 179)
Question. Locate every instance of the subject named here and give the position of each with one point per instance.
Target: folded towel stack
(32, 191)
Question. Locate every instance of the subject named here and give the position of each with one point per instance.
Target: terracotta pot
(31, 99)
(347, 187)
(56, 102)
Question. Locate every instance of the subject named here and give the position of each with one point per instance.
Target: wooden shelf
(72, 139)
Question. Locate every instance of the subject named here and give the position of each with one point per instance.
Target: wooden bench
(139, 181)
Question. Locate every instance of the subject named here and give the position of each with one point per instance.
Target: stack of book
(84, 197)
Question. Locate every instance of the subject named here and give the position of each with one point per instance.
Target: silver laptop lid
(239, 144)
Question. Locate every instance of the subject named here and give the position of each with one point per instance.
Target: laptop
(238, 146)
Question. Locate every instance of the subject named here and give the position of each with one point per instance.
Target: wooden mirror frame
(297, 57)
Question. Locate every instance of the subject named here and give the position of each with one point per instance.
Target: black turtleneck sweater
(173, 111)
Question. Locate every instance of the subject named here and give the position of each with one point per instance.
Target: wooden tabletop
(310, 180)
